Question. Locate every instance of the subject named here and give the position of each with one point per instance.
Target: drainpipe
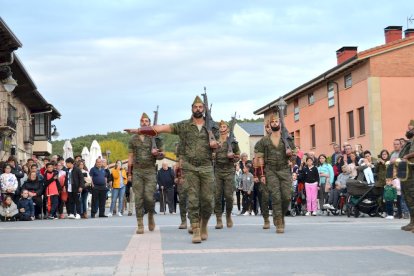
(339, 111)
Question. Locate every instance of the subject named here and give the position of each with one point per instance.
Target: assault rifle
(284, 132)
(231, 139)
(209, 119)
(153, 142)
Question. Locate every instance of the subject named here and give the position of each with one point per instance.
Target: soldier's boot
(266, 224)
(280, 227)
(204, 231)
(219, 224)
(229, 221)
(196, 233)
(140, 228)
(183, 224)
(409, 226)
(190, 230)
(151, 221)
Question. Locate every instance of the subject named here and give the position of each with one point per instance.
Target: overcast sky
(102, 63)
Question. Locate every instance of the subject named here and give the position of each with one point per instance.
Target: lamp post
(108, 153)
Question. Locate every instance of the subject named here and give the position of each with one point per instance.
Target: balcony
(42, 148)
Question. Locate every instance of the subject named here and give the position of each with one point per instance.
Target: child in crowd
(390, 195)
(247, 187)
(8, 209)
(53, 189)
(369, 175)
(26, 207)
(294, 182)
(310, 175)
(8, 181)
(397, 185)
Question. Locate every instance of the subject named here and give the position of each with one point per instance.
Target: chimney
(409, 33)
(393, 33)
(345, 53)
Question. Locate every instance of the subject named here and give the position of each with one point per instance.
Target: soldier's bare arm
(151, 130)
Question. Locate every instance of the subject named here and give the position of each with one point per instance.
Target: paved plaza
(109, 246)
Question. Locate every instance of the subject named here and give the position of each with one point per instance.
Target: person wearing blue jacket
(326, 180)
(26, 207)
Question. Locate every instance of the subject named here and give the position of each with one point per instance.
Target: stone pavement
(108, 246)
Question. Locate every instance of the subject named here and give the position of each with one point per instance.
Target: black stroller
(363, 198)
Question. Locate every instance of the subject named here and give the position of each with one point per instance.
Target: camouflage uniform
(224, 175)
(407, 186)
(182, 190)
(143, 176)
(197, 169)
(278, 177)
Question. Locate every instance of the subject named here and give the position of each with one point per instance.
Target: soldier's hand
(154, 152)
(214, 145)
(263, 179)
(230, 155)
(288, 152)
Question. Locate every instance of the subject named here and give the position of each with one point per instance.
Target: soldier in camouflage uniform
(224, 174)
(271, 168)
(197, 165)
(407, 187)
(141, 168)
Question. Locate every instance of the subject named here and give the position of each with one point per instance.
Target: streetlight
(6, 79)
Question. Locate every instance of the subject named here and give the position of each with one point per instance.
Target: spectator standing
(120, 180)
(85, 191)
(310, 175)
(381, 168)
(336, 154)
(52, 190)
(63, 196)
(237, 182)
(99, 182)
(165, 180)
(247, 186)
(8, 182)
(390, 195)
(326, 180)
(35, 191)
(74, 184)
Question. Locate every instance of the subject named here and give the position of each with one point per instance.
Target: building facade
(25, 116)
(247, 135)
(366, 99)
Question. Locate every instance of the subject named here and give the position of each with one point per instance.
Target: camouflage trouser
(144, 185)
(183, 197)
(407, 188)
(279, 187)
(200, 183)
(224, 186)
(264, 190)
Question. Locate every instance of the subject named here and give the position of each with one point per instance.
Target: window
(296, 110)
(11, 116)
(297, 138)
(348, 80)
(361, 117)
(333, 129)
(313, 136)
(351, 124)
(41, 127)
(331, 95)
(311, 98)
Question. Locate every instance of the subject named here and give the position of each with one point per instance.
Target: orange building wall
(396, 63)
(397, 96)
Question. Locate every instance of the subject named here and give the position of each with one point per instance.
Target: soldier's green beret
(197, 100)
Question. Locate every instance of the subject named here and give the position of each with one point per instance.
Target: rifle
(153, 141)
(284, 132)
(231, 139)
(209, 120)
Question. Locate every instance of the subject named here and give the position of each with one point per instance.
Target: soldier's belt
(198, 162)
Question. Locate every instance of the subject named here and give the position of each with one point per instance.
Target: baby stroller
(298, 201)
(363, 198)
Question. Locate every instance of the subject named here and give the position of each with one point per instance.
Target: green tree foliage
(119, 150)
(85, 141)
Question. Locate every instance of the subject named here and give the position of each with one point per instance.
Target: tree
(119, 150)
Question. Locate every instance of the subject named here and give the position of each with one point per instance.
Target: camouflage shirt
(142, 151)
(274, 156)
(194, 144)
(222, 162)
